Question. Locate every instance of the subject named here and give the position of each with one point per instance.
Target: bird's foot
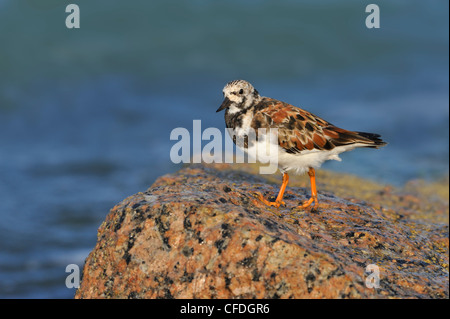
(307, 204)
(276, 203)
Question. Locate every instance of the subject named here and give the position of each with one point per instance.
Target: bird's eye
(241, 91)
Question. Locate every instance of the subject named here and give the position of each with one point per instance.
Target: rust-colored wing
(300, 130)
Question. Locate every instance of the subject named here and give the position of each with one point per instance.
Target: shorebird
(305, 140)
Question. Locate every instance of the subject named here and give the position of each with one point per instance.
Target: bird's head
(239, 95)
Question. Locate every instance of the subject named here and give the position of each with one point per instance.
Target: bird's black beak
(225, 104)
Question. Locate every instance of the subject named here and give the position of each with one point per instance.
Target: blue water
(86, 115)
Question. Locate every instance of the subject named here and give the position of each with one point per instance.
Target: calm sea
(86, 114)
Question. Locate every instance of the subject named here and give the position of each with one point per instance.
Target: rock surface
(201, 233)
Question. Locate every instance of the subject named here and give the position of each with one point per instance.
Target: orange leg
(279, 200)
(312, 177)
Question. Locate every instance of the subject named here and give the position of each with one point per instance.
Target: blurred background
(86, 114)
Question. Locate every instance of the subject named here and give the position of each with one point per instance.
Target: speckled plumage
(305, 140)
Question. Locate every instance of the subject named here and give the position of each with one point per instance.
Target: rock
(201, 233)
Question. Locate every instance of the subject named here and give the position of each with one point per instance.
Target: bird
(304, 141)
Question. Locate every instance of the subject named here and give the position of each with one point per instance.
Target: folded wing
(300, 130)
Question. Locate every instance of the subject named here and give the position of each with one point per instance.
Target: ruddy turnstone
(305, 140)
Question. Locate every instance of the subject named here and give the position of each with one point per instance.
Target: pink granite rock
(201, 233)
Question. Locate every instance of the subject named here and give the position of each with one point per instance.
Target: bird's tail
(372, 140)
(341, 137)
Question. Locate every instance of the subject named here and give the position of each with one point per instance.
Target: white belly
(300, 163)
(267, 151)
(296, 164)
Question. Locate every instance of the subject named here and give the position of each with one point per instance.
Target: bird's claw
(276, 203)
(307, 204)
